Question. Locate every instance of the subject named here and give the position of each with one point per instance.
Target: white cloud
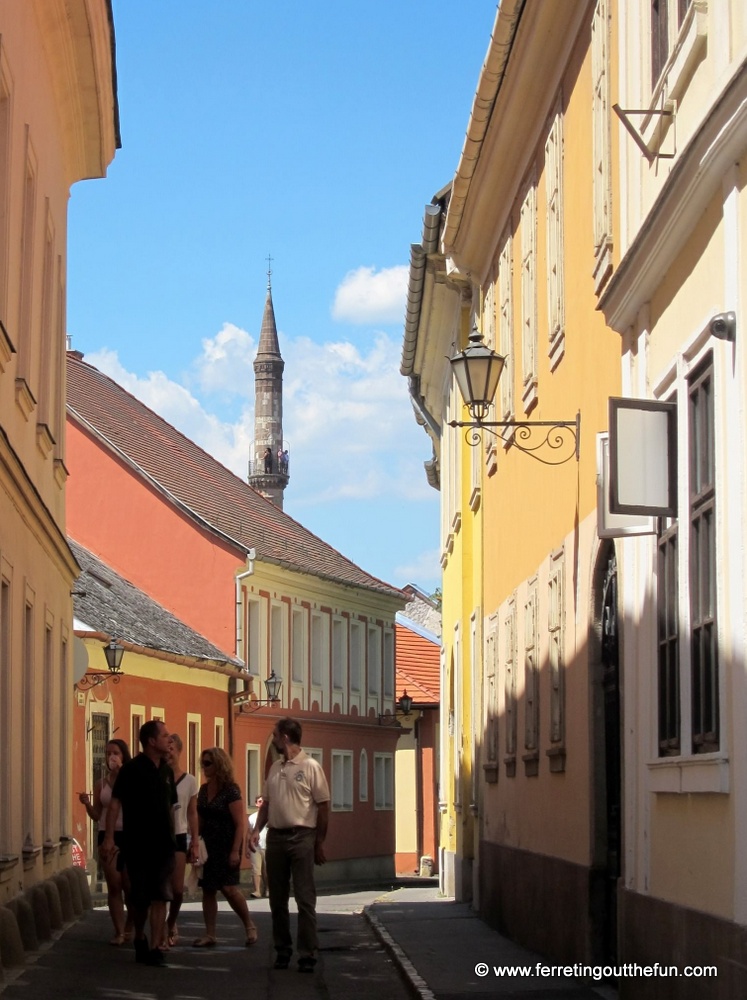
(368, 296)
(424, 570)
(225, 364)
(227, 442)
(347, 418)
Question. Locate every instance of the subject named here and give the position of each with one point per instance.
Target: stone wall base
(539, 901)
(34, 917)
(652, 930)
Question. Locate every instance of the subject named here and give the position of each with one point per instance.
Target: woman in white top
(117, 754)
(185, 830)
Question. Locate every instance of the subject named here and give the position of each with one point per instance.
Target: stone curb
(415, 982)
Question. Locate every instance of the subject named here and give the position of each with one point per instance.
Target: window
(601, 145)
(49, 356)
(659, 38)
(383, 781)
(356, 655)
(48, 756)
(194, 743)
(252, 650)
(137, 718)
(277, 639)
(26, 283)
(4, 208)
(528, 228)
(669, 22)
(319, 650)
(388, 664)
(531, 684)
(669, 639)
(298, 646)
(220, 731)
(342, 781)
(506, 328)
(363, 777)
(556, 641)
(688, 659)
(555, 246)
(374, 660)
(491, 699)
(315, 753)
(509, 638)
(704, 647)
(253, 776)
(29, 713)
(339, 653)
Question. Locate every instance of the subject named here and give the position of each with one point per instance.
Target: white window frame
(555, 239)
(363, 776)
(506, 328)
(357, 656)
(374, 658)
(339, 654)
(341, 784)
(529, 346)
(299, 654)
(601, 144)
(384, 782)
(254, 777)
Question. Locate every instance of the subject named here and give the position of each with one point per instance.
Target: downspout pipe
(233, 687)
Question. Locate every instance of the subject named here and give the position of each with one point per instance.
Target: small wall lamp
(477, 370)
(404, 705)
(113, 651)
(245, 703)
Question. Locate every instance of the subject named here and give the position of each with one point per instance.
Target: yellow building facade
(58, 125)
(593, 789)
(519, 246)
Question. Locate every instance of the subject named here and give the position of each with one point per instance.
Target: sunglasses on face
(206, 763)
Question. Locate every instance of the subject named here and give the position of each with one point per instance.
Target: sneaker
(306, 963)
(282, 961)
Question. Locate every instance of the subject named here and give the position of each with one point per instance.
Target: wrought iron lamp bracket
(560, 442)
(94, 678)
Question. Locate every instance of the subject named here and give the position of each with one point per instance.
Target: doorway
(607, 758)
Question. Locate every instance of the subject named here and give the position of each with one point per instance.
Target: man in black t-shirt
(145, 793)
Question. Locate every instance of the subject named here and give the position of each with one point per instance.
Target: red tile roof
(200, 483)
(418, 666)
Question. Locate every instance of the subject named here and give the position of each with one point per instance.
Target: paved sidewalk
(80, 965)
(445, 951)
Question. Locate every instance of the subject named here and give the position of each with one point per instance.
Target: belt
(290, 829)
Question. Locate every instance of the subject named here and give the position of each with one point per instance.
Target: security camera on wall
(724, 326)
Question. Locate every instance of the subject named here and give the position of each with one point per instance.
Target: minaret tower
(268, 467)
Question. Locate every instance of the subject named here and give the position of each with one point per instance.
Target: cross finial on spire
(269, 273)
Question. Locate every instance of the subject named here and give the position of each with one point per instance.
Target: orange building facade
(266, 593)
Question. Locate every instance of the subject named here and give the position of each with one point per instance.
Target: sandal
(204, 942)
(117, 940)
(173, 937)
(251, 936)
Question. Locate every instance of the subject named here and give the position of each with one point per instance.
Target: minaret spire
(268, 467)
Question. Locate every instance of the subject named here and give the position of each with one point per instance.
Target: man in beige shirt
(295, 808)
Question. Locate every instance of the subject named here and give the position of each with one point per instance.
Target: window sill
(474, 500)
(690, 775)
(7, 350)
(491, 772)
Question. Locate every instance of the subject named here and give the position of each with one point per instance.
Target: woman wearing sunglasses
(222, 820)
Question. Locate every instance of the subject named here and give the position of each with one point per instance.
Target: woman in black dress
(222, 826)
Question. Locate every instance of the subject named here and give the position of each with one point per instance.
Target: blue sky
(315, 133)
